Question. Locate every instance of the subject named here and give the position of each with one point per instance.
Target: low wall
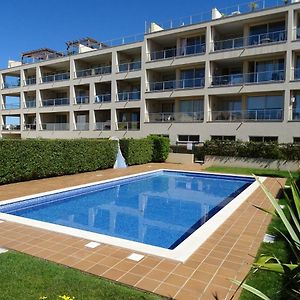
(257, 163)
(180, 158)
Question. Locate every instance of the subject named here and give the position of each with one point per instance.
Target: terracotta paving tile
(113, 274)
(196, 286)
(167, 290)
(109, 261)
(167, 265)
(150, 261)
(97, 269)
(187, 294)
(175, 280)
(214, 290)
(96, 257)
(201, 276)
(84, 265)
(208, 268)
(125, 265)
(69, 261)
(148, 284)
(140, 270)
(130, 279)
(157, 274)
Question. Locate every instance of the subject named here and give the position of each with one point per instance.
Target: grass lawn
(27, 278)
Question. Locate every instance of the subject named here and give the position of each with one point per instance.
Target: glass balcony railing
(129, 96)
(11, 85)
(297, 73)
(247, 115)
(295, 114)
(30, 81)
(82, 99)
(55, 126)
(128, 126)
(102, 98)
(30, 103)
(56, 102)
(29, 127)
(176, 84)
(176, 117)
(250, 41)
(103, 126)
(296, 33)
(55, 77)
(248, 78)
(9, 106)
(130, 67)
(177, 52)
(11, 127)
(93, 72)
(82, 126)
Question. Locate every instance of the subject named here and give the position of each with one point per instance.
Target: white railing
(11, 127)
(93, 72)
(128, 126)
(129, 67)
(129, 96)
(247, 115)
(29, 127)
(82, 99)
(103, 126)
(55, 77)
(177, 52)
(248, 78)
(56, 102)
(102, 98)
(176, 84)
(55, 126)
(82, 126)
(166, 117)
(30, 103)
(250, 41)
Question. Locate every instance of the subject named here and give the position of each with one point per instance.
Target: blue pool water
(161, 208)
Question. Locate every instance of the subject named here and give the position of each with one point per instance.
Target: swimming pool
(158, 212)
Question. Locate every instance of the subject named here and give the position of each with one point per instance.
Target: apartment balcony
(180, 117)
(103, 126)
(253, 115)
(176, 84)
(93, 72)
(30, 103)
(297, 74)
(129, 96)
(82, 100)
(103, 98)
(55, 77)
(11, 106)
(84, 126)
(56, 102)
(128, 126)
(11, 85)
(29, 127)
(30, 81)
(295, 114)
(251, 41)
(248, 78)
(55, 126)
(130, 67)
(177, 52)
(11, 127)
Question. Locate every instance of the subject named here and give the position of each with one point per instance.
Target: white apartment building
(229, 76)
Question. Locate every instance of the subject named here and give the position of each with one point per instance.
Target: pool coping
(180, 254)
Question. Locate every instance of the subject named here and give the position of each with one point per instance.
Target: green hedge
(243, 149)
(137, 152)
(161, 148)
(22, 160)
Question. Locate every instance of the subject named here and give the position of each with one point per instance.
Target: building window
(296, 140)
(266, 139)
(188, 139)
(222, 138)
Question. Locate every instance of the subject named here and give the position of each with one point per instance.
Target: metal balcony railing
(176, 84)
(166, 117)
(128, 126)
(129, 96)
(29, 127)
(56, 102)
(177, 52)
(103, 126)
(102, 98)
(93, 72)
(30, 103)
(11, 127)
(55, 77)
(30, 81)
(248, 78)
(55, 126)
(247, 115)
(130, 67)
(250, 41)
(82, 126)
(82, 100)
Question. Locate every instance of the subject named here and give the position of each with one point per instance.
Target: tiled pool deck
(226, 254)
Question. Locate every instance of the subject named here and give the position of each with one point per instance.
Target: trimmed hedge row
(243, 149)
(22, 160)
(141, 151)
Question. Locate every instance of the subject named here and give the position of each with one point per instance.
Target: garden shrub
(161, 148)
(22, 160)
(137, 151)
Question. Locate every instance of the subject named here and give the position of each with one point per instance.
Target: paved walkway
(226, 254)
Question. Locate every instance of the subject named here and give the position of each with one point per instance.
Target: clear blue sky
(33, 24)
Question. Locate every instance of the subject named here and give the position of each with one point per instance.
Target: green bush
(22, 160)
(137, 152)
(161, 148)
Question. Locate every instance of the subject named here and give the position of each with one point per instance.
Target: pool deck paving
(227, 253)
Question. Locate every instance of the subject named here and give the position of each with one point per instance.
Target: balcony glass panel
(130, 67)
(129, 96)
(55, 126)
(55, 77)
(128, 126)
(30, 81)
(82, 99)
(102, 126)
(30, 103)
(103, 98)
(166, 117)
(56, 102)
